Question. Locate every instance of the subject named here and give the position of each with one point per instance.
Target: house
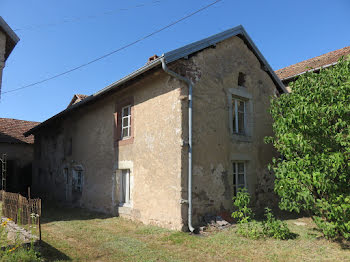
(170, 142)
(8, 41)
(19, 153)
(290, 73)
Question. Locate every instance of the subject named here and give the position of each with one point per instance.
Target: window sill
(235, 137)
(125, 141)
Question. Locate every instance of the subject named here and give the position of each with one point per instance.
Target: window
(125, 187)
(238, 115)
(239, 176)
(126, 122)
(241, 79)
(78, 179)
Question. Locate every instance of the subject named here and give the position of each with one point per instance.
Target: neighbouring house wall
(215, 74)
(2, 54)
(19, 160)
(154, 156)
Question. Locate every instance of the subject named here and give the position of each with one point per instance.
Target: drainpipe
(189, 83)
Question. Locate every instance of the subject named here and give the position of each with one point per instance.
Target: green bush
(275, 228)
(271, 227)
(312, 133)
(241, 202)
(250, 229)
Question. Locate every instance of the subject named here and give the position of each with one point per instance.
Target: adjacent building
(19, 152)
(169, 143)
(8, 41)
(290, 73)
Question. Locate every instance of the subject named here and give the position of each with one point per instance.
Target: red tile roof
(76, 99)
(11, 131)
(316, 62)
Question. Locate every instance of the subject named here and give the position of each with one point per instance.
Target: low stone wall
(15, 232)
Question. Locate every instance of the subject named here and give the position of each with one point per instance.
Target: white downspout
(189, 83)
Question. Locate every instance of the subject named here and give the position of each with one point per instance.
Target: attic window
(241, 79)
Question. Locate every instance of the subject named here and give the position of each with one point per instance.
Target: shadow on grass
(53, 211)
(49, 253)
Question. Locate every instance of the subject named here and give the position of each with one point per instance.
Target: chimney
(152, 58)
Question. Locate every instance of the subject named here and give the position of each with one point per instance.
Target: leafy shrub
(312, 133)
(241, 202)
(247, 227)
(275, 228)
(250, 229)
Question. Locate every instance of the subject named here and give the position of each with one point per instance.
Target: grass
(80, 235)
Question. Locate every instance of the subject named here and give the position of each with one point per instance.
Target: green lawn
(80, 235)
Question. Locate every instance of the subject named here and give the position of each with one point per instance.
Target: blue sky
(286, 32)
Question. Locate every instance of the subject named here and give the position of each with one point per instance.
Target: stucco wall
(158, 155)
(215, 73)
(154, 157)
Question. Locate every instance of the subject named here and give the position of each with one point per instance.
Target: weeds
(250, 228)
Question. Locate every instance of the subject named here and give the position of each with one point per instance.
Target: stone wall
(215, 73)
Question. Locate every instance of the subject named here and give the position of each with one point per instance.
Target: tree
(312, 134)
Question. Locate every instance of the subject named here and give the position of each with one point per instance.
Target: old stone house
(8, 41)
(290, 73)
(19, 152)
(170, 142)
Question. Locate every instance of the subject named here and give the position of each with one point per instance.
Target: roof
(170, 57)
(11, 40)
(313, 63)
(11, 131)
(77, 98)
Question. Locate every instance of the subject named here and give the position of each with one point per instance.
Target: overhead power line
(78, 19)
(113, 52)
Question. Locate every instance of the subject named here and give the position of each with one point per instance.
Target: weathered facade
(124, 150)
(8, 41)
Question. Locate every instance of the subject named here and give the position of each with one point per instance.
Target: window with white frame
(238, 115)
(239, 176)
(124, 186)
(126, 122)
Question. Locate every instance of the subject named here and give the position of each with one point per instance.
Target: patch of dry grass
(80, 235)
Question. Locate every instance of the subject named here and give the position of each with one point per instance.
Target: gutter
(190, 86)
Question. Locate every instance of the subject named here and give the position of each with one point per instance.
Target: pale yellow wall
(155, 154)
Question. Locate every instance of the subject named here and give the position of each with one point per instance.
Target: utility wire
(78, 19)
(113, 52)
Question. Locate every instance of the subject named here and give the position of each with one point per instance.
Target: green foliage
(247, 227)
(20, 254)
(250, 229)
(312, 133)
(241, 202)
(275, 228)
